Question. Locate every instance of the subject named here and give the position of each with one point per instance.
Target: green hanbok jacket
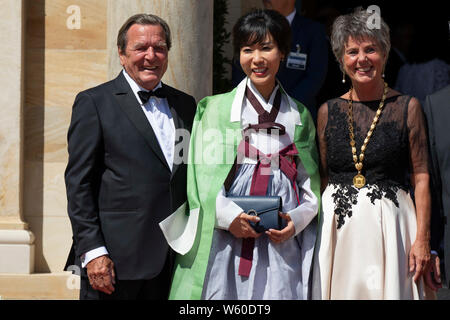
(212, 151)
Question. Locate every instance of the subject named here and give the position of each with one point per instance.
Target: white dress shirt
(290, 17)
(158, 114)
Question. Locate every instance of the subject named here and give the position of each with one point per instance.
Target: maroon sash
(260, 183)
(262, 173)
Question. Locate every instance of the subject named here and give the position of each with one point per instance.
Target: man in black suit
(437, 111)
(125, 172)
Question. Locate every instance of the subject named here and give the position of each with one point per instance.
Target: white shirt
(290, 17)
(158, 114)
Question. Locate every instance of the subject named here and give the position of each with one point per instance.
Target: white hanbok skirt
(279, 271)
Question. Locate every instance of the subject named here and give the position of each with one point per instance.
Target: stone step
(39, 286)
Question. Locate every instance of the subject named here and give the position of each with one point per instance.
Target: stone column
(191, 25)
(16, 242)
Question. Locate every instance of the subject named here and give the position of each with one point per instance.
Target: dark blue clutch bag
(266, 208)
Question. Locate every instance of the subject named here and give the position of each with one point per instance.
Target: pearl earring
(343, 77)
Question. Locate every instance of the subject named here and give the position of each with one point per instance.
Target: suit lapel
(178, 111)
(178, 122)
(131, 107)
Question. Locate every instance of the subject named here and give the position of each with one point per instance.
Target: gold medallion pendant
(359, 180)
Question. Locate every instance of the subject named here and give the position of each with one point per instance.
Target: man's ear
(122, 56)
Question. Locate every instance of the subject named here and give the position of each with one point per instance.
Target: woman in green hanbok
(254, 140)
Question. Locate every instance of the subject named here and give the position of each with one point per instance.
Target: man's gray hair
(357, 25)
(142, 19)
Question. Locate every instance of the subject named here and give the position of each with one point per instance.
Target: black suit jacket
(437, 111)
(119, 186)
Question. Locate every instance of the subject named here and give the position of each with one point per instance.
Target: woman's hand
(240, 228)
(419, 258)
(279, 236)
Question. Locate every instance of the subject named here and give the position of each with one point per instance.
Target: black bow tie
(145, 95)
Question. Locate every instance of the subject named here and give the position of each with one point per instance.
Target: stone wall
(63, 57)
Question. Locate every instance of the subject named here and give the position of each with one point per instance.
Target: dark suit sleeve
(436, 223)
(317, 67)
(83, 174)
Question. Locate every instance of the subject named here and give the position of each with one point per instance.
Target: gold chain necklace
(359, 180)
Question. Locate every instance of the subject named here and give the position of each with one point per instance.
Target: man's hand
(432, 276)
(101, 274)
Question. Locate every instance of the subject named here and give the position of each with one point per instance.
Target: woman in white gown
(373, 241)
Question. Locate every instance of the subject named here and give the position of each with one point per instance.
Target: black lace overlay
(378, 191)
(344, 199)
(346, 196)
(396, 149)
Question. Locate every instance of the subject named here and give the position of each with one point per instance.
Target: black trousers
(152, 289)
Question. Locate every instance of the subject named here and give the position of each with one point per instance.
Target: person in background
(330, 88)
(123, 176)
(437, 111)
(402, 37)
(373, 241)
(303, 70)
(272, 139)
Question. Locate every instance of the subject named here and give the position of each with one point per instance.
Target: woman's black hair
(253, 28)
